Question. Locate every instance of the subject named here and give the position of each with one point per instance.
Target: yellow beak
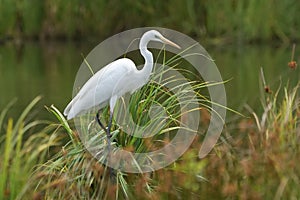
(166, 41)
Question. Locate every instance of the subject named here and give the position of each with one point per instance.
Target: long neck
(148, 66)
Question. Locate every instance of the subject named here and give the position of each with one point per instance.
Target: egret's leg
(107, 131)
(109, 124)
(99, 122)
(111, 172)
(112, 104)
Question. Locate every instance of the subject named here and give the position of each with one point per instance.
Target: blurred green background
(231, 20)
(42, 41)
(41, 48)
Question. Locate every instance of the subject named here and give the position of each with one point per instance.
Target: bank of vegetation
(244, 21)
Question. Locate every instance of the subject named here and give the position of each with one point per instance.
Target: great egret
(113, 81)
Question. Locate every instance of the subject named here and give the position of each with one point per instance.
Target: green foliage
(8, 17)
(244, 20)
(23, 145)
(73, 173)
(260, 162)
(32, 12)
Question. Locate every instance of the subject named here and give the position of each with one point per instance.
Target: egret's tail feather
(68, 111)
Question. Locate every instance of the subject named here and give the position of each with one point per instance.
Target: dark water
(33, 69)
(241, 65)
(49, 69)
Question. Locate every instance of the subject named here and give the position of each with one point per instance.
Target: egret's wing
(100, 87)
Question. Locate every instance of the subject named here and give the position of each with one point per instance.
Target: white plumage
(115, 79)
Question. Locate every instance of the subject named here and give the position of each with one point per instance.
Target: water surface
(49, 69)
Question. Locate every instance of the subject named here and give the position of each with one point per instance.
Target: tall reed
(23, 145)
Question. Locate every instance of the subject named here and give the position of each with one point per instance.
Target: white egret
(113, 81)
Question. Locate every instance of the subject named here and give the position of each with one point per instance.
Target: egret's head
(156, 36)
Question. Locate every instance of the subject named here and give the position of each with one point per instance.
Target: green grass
(73, 172)
(24, 143)
(260, 157)
(257, 159)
